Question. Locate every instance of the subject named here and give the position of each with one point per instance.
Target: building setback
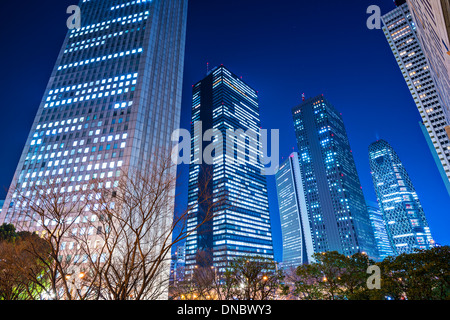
(336, 206)
(401, 34)
(407, 227)
(241, 226)
(295, 228)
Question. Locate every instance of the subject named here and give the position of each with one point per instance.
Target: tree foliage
(422, 275)
(108, 238)
(21, 274)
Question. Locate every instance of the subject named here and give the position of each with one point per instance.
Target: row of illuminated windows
(39, 141)
(97, 83)
(78, 178)
(48, 132)
(54, 156)
(109, 43)
(95, 42)
(92, 97)
(87, 46)
(57, 123)
(129, 4)
(238, 83)
(98, 59)
(105, 24)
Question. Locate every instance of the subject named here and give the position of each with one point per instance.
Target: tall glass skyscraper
(112, 101)
(380, 231)
(432, 19)
(296, 232)
(336, 206)
(407, 226)
(401, 34)
(241, 226)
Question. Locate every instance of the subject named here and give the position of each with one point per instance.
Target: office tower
(241, 226)
(177, 265)
(380, 231)
(407, 226)
(295, 229)
(432, 19)
(401, 33)
(112, 101)
(1, 206)
(336, 206)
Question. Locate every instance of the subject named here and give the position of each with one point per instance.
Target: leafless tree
(48, 207)
(136, 230)
(245, 278)
(258, 278)
(110, 238)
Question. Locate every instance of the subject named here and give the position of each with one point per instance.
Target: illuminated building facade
(380, 231)
(401, 33)
(112, 101)
(295, 229)
(406, 224)
(177, 265)
(336, 206)
(241, 226)
(432, 19)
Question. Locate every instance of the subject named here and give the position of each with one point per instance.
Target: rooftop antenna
(207, 67)
(303, 97)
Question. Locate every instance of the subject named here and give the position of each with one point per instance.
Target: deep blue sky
(281, 49)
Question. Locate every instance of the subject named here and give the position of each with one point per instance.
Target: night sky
(282, 49)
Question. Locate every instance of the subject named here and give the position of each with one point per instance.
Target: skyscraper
(241, 226)
(380, 231)
(177, 265)
(401, 33)
(112, 101)
(295, 228)
(336, 206)
(114, 95)
(432, 19)
(407, 226)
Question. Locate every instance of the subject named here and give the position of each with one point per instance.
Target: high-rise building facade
(295, 229)
(432, 19)
(336, 206)
(112, 101)
(177, 265)
(114, 96)
(241, 225)
(401, 34)
(406, 224)
(380, 231)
